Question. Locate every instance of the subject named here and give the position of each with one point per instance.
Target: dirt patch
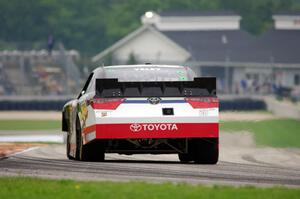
(246, 116)
(30, 115)
(11, 148)
(242, 139)
(240, 147)
(283, 108)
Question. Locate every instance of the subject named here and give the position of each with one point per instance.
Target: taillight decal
(203, 102)
(106, 103)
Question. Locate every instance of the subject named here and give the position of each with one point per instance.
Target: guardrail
(243, 104)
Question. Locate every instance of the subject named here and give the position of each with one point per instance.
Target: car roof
(137, 66)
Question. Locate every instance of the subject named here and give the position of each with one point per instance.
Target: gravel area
(7, 149)
(30, 115)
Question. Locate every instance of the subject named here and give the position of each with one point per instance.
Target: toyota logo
(135, 127)
(154, 100)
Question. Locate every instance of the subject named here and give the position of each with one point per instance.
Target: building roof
(227, 45)
(283, 45)
(276, 46)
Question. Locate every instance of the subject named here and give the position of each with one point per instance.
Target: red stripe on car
(106, 103)
(89, 129)
(157, 130)
(203, 102)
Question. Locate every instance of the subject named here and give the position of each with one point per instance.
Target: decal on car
(153, 127)
(83, 110)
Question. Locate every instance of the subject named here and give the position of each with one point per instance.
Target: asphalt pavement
(240, 164)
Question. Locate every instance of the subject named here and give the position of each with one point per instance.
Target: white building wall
(180, 23)
(150, 47)
(288, 77)
(238, 75)
(198, 23)
(287, 22)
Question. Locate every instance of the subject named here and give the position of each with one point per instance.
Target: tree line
(92, 25)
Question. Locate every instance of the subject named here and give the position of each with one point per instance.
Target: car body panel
(186, 122)
(137, 117)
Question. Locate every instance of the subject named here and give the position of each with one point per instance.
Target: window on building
(297, 79)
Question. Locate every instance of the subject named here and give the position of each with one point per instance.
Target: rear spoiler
(201, 86)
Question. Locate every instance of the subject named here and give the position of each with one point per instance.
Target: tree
(93, 25)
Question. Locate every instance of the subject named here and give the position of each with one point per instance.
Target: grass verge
(30, 124)
(275, 133)
(20, 187)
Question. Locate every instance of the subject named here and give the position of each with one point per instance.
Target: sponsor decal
(157, 130)
(153, 127)
(135, 127)
(154, 100)
(83, 110)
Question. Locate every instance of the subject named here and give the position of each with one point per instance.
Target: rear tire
(69, 147)
(78, 140)
(206, 151)
(93, 152)
(185, 157)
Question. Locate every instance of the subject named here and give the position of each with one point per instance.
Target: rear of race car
(155, 117)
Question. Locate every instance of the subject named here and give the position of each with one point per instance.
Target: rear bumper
(151, 130)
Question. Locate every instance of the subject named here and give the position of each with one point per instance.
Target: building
(213, 44)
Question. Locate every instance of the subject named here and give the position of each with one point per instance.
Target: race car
(140, 109)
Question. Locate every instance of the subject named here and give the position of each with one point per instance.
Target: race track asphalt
(50, 162)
